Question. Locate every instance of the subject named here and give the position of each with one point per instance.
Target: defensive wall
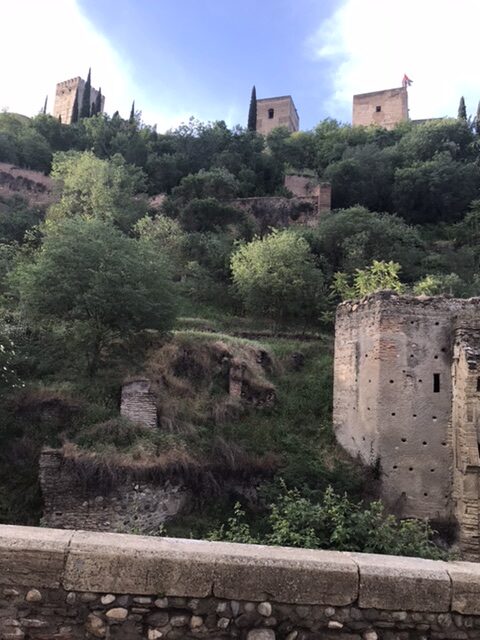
(407, 401)
(67, 585)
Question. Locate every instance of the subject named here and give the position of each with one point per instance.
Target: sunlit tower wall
(382, 108)
(276, 112)
(65, 97)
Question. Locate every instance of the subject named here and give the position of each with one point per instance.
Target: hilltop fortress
(407, 402)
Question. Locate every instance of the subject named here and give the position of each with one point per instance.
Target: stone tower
(276, 112)
(383, 108)
(407, 398)
(65, 97)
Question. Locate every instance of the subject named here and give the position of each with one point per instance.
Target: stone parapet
(75, 584)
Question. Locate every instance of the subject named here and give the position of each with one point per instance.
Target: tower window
(378, 108)
(478, 384)
(436, 383)
(271, 113)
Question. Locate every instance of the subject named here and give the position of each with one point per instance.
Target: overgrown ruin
(407, 402)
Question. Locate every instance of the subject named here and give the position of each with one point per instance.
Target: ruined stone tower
(276, 112)
(65, 97)
(407, 398)
(384, 108)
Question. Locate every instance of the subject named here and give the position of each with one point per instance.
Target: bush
(277, 277)
(334, 523)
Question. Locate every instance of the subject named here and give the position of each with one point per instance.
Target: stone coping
(122, 564)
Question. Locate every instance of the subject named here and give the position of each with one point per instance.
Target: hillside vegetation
(104, 280)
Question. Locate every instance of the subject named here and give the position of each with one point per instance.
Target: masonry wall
(383, 108)
(65, 97)
(74, 497)
(393, 395)
(466, 423)
(67, 585)
(284, 114)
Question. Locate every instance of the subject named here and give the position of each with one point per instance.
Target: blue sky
(204, 56)
(182, 58)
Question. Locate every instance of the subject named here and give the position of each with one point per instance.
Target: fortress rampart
(71, 585)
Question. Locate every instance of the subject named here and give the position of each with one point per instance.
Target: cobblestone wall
(66, 585)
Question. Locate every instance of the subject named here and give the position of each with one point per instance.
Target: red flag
(406, 82)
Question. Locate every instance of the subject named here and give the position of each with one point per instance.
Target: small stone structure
(407, 401)
(383, 108)
(138, 403)
(72, 585)
(65, 97)
(276, 112)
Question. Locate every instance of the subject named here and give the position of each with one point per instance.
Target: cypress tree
(92, 109)
(477, 121)
(44, 111)
(98, 101)
(85, 109)
(462, 110)
(75, 109)
(131, 119)
(252, 112)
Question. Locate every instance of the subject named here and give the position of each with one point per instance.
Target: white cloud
(42, 43)
(372, 43)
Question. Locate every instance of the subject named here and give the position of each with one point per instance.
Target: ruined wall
(74, 497)
(72, 585)
(280, 212)
(393, 395)
(383, 108)
(276, 112)
(138, 403)
(65, 97)
(465, 431)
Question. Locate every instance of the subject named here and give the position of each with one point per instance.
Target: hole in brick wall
(411, 355)
(410, 468)
(393, 413)
(436, 383)
(478, 384)
(432, 470)
(412, 321)
(395, 466)
(366, 355)
(404, 439)
(424, 443)
(435, 357)
(443, 349)
(425, 494)
(434, 417)
(391, 381)
(436, 324)
(420, 380)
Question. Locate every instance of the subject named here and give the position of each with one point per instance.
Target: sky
(182, 58)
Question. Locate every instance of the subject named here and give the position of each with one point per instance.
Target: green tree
(276, 276)
(102, 284)
(477, 120)
(91, 187)
(252, 111)
(379, 276)
(85, 109)
(131, 119)
(98, 101)
(462, 109)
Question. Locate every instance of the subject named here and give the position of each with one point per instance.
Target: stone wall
(65, 97)
(276, 112)
(138, 403)
(465, 431)
(76, 497)
(393, 395)
(383, 108)
(72, 585)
